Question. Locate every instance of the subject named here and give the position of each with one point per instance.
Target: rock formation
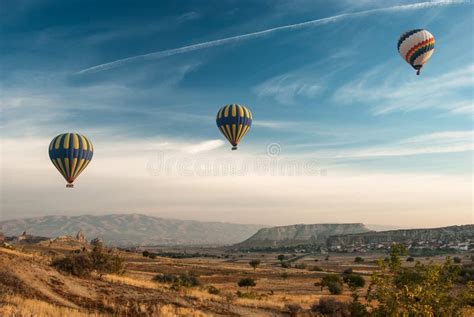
(434, 236)
(80, 237)
(287, 236)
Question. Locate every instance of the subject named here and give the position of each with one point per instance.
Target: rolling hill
(133, 229)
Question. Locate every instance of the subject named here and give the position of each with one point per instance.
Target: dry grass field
(31, 287)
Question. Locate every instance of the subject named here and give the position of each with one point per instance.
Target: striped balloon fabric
(416, 47)
(70, 153)
(234, 122)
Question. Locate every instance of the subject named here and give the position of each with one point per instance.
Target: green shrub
(333, 282)
(317, 269)
(76, 264)
(213, 290)
(254, 263)
(358, 259)
(187, 280)
(335, 288)
(331, 307)
(422, 290)
(152, 256)
(457, 260)
(247, 282)
(466, 274)
(347, 271)
(354, 280)
(410, 259)
(146, 253)
(106, 263)
(178, 281)
(84, 263)
(165, 278)
(294, 309)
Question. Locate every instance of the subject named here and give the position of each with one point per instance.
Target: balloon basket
(234, 148)
(69, 185)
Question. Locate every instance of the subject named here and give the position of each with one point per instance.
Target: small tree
(247, 282)
(106, 263)
(281, 257)
(457, 260)
(354, 281)
(76, 264)
(330, 279)
(410, 259)
(254, 263)
(425, 290)
(146, 253)
(358, 259)
(335, 288)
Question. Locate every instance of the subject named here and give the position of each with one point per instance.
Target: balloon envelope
(70, 153)
(416, 47)
(234, 122)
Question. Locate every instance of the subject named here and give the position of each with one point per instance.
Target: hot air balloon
(70, 154)
(416, 47)
(234, 121)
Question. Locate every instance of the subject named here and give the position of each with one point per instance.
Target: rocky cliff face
(287, 236)
(444, 235)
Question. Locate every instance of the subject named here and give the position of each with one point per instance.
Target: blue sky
(334, 92)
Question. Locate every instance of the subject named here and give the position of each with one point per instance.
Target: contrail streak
(243, 37)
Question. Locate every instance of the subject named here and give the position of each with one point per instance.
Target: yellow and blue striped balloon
(416, 47)
(70, 154)
(234, 122)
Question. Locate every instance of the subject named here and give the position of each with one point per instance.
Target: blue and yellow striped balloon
(416, 47)
(234, 122)
(70, 154)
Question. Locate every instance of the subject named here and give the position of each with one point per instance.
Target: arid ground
(31, 287)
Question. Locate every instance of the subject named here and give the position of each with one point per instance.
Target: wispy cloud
(253, 35)
(439, 142)
(389, 95)
(203, 146)
(463, 108)
(285, 89)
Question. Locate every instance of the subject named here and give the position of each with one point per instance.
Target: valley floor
(31, 287)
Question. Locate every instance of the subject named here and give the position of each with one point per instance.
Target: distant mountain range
(301, 234)
(143, 230)
(133, 229)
